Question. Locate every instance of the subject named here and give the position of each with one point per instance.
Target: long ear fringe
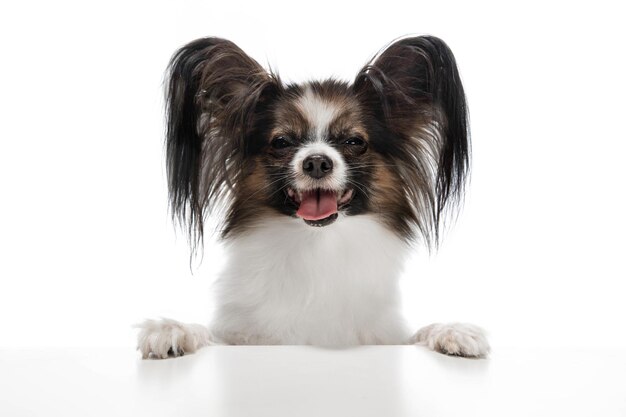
(183, 143)
(417, 88)
(212, 90)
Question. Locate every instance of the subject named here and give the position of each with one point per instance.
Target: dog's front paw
(456, 339)
(164, 338)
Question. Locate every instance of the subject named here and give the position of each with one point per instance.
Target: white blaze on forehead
(319, 113)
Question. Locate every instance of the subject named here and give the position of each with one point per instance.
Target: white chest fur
(289, 283)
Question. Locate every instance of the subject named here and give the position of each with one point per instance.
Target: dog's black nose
(317, 166)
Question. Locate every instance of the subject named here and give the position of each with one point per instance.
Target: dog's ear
(212, 94)
(413, 88)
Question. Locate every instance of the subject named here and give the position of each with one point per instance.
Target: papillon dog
(321, 189)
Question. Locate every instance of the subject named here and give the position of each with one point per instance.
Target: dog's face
(315, 158)
(314, 153)
(393, 143)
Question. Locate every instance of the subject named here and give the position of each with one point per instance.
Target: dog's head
(394, 143)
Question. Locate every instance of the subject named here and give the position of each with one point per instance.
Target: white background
(87, 248)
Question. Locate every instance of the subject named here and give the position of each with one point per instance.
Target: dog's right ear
(213, 90)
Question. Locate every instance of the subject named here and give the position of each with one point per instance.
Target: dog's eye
(281, 142)
(355, 141)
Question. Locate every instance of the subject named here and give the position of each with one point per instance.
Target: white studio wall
(87, 244)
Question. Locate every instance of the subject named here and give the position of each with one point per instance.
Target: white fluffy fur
(161, 338)
(289, 283)
(458, 339)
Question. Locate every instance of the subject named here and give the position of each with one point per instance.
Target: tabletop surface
(309, 381)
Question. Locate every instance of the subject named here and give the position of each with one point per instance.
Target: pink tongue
(317, 205)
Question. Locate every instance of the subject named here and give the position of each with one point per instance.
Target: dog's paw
(163, 338)
(456, 339)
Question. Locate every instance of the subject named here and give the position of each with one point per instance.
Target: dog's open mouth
(319, 207)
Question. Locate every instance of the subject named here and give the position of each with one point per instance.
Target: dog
(322, 190)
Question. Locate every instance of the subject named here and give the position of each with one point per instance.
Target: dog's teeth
(346, 196)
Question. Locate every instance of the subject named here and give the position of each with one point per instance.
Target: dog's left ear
(413, 88)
